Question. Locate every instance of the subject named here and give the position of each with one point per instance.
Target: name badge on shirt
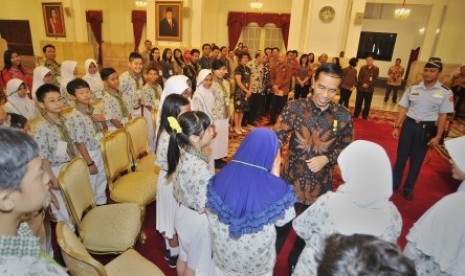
(160, 72)
(98, 136)
(61, 149)
(124, 121)
(371, 78)
(170, 72)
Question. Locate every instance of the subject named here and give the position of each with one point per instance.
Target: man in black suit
(168, 25)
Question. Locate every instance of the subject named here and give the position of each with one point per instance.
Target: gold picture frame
(54, 20)
(168, 21)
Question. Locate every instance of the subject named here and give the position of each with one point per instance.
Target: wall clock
(327, 14)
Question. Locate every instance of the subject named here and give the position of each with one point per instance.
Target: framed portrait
(54, 20)
(168, 23)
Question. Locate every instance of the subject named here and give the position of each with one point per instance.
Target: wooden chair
(125, 185)
(112, 228)
(144, 161)
(80, 262)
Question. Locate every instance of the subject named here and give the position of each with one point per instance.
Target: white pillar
(353, 33)
(196, 23)
(295, 27)
(150, 25)
(434, 22)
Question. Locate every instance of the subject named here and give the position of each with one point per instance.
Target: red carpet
(434, 182)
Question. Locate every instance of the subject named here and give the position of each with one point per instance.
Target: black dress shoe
(408, 195)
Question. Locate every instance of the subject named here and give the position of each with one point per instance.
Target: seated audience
(359, 255)
(246, 199)
(92, 77)
(23, 190)
(361, 205)
(12, 68)
(41, 75)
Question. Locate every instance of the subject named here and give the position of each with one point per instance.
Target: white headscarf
(362, 202)
(203, 99)
(67, 72)
(94, 80)
(22, 106)
(38, 79)
(440, 233)
(456, 149)
(174, 85)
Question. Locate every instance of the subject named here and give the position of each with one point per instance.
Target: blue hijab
(244, 194)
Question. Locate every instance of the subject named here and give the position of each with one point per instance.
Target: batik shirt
(47, 137)
(258, 75)
(112, 108)
(151, 95)
(131, 89)
(191, 179)
(83, 130)
(56, 70)
(21, 255)
(221, 92)
(253, 254)
(313, 132)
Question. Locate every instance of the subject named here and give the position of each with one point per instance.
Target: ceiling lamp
(256, 5)
(402, 13)
(141, 4)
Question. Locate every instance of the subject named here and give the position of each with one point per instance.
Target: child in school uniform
(55, 144)
(192, 131)
(68, 73)
(131, 83)
(86, 130)
(115, 106)
(150, 95)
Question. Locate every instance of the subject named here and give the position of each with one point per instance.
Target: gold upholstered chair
(112, 228)
(144, 161)
(125, 185)
(98, 105)
(80, 262)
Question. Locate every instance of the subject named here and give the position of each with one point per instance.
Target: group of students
(223, 223)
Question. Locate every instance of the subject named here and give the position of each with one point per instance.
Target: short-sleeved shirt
(258, 74)
(425, 104)
(191, 179)
(112, 109)
(151, 95)
(395, 75)
(82, 130)
(130, 89)
(47, 137)
(21, 255)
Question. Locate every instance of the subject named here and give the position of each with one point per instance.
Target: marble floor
(378, 100)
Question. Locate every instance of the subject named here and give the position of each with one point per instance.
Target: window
(273, 36)
(379, 45)
(251, 37)
(257, 38)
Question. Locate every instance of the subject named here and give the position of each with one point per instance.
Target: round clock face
(327, 14)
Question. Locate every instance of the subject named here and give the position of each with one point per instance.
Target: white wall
(452, 36)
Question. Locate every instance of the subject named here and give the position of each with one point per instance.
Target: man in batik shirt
(319, 130)
(51, 63)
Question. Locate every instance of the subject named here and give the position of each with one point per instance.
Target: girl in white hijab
(68, 73)
(41, 76)
(177, 84)
(436, 242)
(18, 101)
(92, 77)
(361, 205)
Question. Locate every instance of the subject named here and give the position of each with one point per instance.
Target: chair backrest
(115, 151)
(98, 105)
(77, 259)
(154, 120)
(76, 188)
(138, 137)
(32, 123)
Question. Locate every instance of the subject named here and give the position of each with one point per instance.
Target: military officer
(422, 115)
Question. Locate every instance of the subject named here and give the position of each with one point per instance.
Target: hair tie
(174, 124)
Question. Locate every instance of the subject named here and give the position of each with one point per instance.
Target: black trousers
(257, 105)
(411, 147)
(394, 90)
(277, 105)
(301, 92)
(365, 99)
(345, 97)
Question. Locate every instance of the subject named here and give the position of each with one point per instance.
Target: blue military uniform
(423, 108)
